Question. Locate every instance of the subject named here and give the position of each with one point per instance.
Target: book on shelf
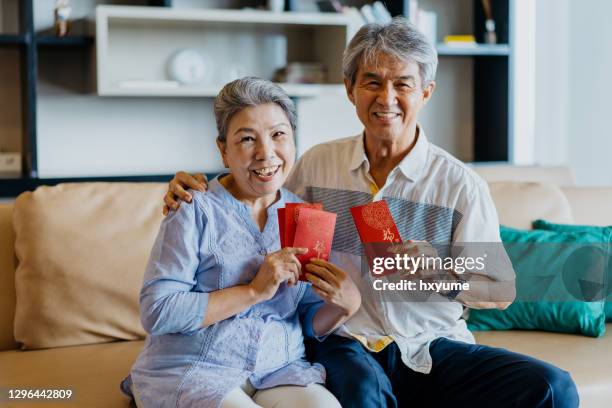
(10, 164)
(460, 41)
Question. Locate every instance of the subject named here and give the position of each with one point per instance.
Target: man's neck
(385, 155)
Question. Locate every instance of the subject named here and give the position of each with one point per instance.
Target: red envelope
(377, 231)
(315, 231)
(375, 223)
(292, 211)
(281, 225)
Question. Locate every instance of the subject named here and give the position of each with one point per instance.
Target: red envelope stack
(306, 225)
(377, 231)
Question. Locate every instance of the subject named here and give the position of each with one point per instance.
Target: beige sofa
(93, 365)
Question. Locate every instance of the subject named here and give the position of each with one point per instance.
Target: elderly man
(405, 352)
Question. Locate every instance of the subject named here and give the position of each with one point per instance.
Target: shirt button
(263, 251)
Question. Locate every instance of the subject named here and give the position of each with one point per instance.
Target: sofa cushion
(558, 175)
(555, 273)
(587, 359)
(92, 372)
(7, 278)
(82, 251)
(601, 234)
(518, 204)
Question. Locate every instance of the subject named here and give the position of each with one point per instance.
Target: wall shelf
(474, 51)
(139, 14)
(211, 91)
(12, 39)
(68, 41)
(14, 187)
(266, 42)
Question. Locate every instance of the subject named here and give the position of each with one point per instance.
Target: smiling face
(259, 150)
(388, 94)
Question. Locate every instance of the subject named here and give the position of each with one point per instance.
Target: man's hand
(417, 249)
(177, 189)
(334, 286)
(277, 267)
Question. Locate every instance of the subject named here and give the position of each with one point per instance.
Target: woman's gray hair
(249, 91)
(399, 39)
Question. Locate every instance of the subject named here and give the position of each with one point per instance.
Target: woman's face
(259, 149)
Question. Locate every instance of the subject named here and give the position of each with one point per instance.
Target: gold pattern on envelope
(296, 210)
(376, 217)
(314, 226)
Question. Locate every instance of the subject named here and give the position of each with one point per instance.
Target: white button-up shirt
(433, 197)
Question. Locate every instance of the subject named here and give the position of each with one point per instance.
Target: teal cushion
(558, 283)
(603, 234)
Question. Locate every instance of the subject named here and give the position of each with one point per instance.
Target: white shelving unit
(293, 90)
(135, 44)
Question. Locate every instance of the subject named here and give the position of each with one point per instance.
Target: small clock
(188, 67)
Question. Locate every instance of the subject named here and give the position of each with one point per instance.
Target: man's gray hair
(249, 91)
(399, 39)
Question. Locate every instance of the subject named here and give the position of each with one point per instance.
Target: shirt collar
(411, 166)
(359, 155)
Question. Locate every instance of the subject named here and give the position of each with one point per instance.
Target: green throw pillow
(558, 283)
(604, 234)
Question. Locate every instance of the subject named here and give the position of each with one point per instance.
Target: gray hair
(398, 38)
(249, 91)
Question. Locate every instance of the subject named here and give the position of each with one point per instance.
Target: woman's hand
(334, 286)
(277, 267)
(178, 186)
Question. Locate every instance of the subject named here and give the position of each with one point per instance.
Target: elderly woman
(221, 301)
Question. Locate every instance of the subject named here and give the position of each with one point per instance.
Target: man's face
(388, 94)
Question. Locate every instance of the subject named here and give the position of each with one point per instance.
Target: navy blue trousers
(462, 375)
